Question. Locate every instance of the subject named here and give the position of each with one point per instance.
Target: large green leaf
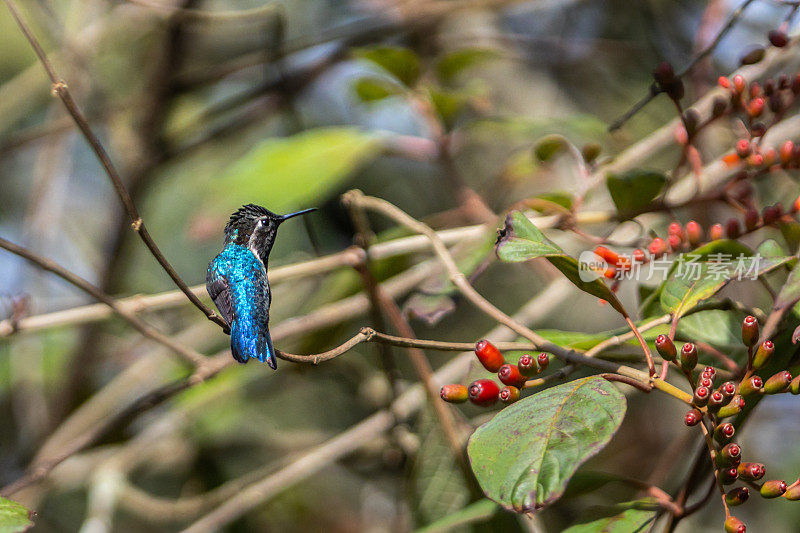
(628, 517)
(480, 511)
(635, 189)
(402, 63)
(14, 517)
(520, 240)
(692, 283)
(303, 167)
(438, 487)
(524, 457)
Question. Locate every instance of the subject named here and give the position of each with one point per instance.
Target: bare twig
(140, 325)
(61, 90)
(638, 106)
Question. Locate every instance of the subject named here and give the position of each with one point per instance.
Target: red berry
(751, 219)
(778, 39)
(658, 247)
(694, 232)
(716, 232)
(749, 330)
(688, 356)
(732, 229)
(692, 417)
(763, 354)
(739, 83)
(724, 82)
(700, 397)
(751, 471)
(728, 475)
(510, 375)
(666, 348)
(728, 389)
(710, 371)
(527, 365)
(674, 242)
(483, 392)
(611, 257)
(543, 361)
(756, 107)
(787, 150)
(743, 148)
(704, 381)
(489, 356)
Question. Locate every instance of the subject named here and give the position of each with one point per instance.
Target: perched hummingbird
(237, 281)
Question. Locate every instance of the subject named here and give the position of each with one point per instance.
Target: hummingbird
(237, 281)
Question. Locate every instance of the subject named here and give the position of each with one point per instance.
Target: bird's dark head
(255, 227)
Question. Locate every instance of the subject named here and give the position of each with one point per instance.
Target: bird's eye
(263, 222)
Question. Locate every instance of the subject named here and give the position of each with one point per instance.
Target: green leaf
(524, 457)
(288, 172)
(374, 89)
(693, 282)
(635, 189)
(636, 519)
(14, 517)
(437, 483)
(402, 63)
(454, 63)
(520, 240)
(790, 292)
(791, 232)
(562, 199)
(448, 105)
(479, 511)
(549, 146)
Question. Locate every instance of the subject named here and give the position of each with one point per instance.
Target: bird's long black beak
(296, 213)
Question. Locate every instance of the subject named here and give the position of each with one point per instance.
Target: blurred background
(207, 105)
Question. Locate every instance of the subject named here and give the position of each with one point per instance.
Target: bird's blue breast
(250, 300)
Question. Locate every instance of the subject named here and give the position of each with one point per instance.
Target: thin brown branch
(61, 90)
(137, 323)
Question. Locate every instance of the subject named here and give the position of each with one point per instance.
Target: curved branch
(61, 90)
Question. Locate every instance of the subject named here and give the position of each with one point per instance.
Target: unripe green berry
(666, 348)
(793, 493)
(688, 357)
(778, 383)
(794, 386)
(751, 385)
(774, 488)
(454, 393)
(750, 331)
(734, 407)
(737, 496)
(527, 365)
(509, 394)
(763, 354)
(734, 525)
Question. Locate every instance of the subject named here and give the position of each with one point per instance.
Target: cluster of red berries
(686, 238)
(728, 399)
(486, 392)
